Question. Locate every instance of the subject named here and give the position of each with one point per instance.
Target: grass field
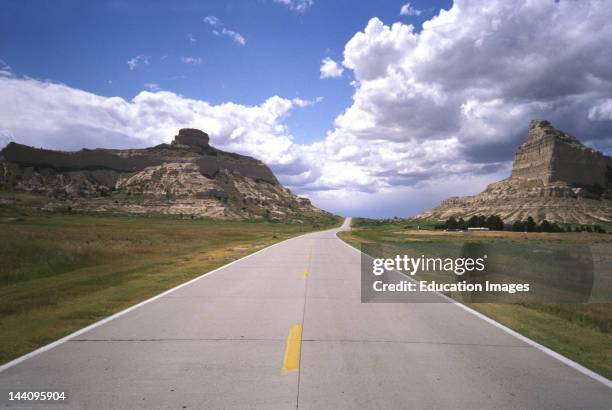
(578, 331)
(61, 272)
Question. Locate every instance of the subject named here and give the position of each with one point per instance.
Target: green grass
(62, 271)
(569, 331)
(581, 332)
(396, 223)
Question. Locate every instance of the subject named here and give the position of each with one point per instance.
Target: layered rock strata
(554, 177)
(188, 177)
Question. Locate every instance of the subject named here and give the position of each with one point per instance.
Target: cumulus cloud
(455, 99)
(434, 112)
(408, 10)
(330, 69)
(191, 60)
(138, 60)
(296, 5)
(220, 29)
(602, 111)
(41, 113)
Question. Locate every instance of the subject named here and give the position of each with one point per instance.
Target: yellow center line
(306, 272)
(292, 352)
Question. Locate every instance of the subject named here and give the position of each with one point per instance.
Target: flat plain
(579, 331)
(60, 272)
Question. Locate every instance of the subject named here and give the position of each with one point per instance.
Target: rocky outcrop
(550, 155)
(187, 177)
(554, 177)
(192, 138)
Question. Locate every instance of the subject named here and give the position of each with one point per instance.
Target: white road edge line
(64, 339)
(552, 353)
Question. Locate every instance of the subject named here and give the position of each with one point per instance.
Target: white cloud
(330, 69)
(220, 29)
(299, 102)
(4, 65)
(602, 111)
(237, 37)
(136, 61)
(408, 10)
(213, 21)
(296, 5)
(455, 99)
(191, 38)
(41, 113)
(5, 69)
(435, 112)
(152, 87)
(191, 60)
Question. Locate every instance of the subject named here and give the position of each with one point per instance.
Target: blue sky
(375, 108)
(87, 45)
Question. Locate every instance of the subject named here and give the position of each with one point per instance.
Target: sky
(369, 108)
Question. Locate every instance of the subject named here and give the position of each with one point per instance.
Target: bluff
(187, 177)
(554, 177)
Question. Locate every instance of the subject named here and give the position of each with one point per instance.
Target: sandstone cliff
(187, 177)
(554, 177)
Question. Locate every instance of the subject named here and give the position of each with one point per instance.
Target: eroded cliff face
(550, 155)
(187, 177)
(554, 177)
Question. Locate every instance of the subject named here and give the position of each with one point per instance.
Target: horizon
(357, 216)
(382, 113)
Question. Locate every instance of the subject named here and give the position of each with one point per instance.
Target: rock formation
(187, 177)
(554, 177)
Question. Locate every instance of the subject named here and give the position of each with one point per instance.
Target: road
(231, 339)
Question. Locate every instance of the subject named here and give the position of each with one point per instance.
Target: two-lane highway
(285, 328)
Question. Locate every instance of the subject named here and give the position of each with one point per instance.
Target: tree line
(495, 223)
(531, 226)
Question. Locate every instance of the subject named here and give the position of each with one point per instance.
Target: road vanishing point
(285, 328)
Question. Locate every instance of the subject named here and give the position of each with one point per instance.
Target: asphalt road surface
(284, 328)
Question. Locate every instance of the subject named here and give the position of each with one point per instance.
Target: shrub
(530, 225)
(518, 226)
(451, 223)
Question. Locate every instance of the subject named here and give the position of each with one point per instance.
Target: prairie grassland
(61, 272)
(580, 331)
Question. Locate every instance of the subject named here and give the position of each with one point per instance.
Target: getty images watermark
(485, 273)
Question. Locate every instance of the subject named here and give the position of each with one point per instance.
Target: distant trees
(530, 225)
(477, 221)
(518, 226)
(589, 228)
(462, 224)
(545, 226)
(451, 224)
(493, 222)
